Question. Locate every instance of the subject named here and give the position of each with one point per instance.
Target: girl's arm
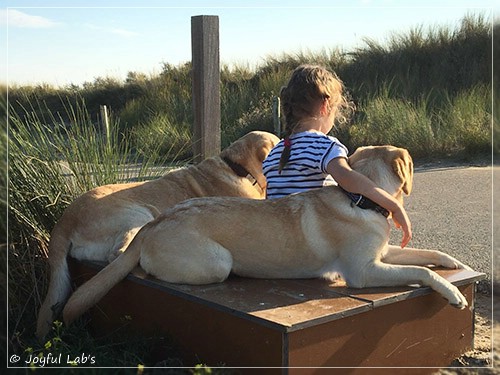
(357, 183)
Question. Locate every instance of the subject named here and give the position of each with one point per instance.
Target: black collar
(237, 168)
(240, 170)
(362, 202)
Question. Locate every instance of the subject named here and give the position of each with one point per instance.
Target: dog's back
(101, 223)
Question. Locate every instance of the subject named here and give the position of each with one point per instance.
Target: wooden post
(105, 125)
(276, 116)
(206, 86)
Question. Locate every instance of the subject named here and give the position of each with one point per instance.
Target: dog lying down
(306, 235)
(100, 224)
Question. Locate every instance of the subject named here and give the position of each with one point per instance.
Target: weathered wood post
(277, 115)
(206, 86)
(105, 125)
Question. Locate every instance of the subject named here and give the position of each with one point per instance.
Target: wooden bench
(293, 323)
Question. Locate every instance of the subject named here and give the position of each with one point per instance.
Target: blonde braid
(290, 124)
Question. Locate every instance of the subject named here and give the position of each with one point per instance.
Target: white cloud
(112, 30)
(16, 18)
(122, 32)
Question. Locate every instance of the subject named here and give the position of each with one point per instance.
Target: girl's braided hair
(303, 96)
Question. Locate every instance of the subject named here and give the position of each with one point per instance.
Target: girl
(307, 158)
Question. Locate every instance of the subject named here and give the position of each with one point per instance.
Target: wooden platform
(293, 323)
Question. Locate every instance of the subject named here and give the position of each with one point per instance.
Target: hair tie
(287, 142)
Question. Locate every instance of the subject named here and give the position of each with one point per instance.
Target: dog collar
(240, 170)
(360, 201)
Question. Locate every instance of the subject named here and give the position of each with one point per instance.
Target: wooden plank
(287, 304)
(201, 331)
(418, 332)
(251, 322)
(206, 86)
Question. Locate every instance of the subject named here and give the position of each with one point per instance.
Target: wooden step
(292, 323)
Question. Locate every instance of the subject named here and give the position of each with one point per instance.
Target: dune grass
(51, 162)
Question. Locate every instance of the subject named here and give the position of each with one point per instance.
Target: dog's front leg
(378, 274)
(421, 257)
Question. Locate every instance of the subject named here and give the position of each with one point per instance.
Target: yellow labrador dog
(101, 223)
(307, 235)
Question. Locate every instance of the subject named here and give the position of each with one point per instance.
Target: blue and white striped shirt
(306, 169)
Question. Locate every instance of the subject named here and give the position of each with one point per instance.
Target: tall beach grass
(51, 162)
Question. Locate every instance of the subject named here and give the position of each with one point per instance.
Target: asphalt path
(451, 210)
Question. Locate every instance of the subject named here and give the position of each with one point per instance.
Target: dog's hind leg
(198, 261)
(59, 285)
(421, 257)
(122, 243)
(379, 274)
(134, 217)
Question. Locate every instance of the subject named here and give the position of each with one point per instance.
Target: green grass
(77, 349)
(50, 164)
(461, 126)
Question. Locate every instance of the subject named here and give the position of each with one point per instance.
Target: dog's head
(250, 151)
(389, 167)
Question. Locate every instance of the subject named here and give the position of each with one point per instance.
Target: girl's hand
(401, 221)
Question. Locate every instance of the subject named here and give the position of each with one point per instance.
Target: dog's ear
(251, 149)
(235, 151)
(403, 167)
(267, 144)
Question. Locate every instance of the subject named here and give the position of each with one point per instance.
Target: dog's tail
(59, 285)
(91, 292)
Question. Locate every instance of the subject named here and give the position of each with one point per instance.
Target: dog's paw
(460, 306)
(460, 265)
(450, 262)
(465, 267)
(332, 276)
(459, 301)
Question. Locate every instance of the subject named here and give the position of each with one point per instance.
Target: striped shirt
(306, 169)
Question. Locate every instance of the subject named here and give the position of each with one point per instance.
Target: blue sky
(63, 42)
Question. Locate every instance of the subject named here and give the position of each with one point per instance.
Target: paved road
(451, 211)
